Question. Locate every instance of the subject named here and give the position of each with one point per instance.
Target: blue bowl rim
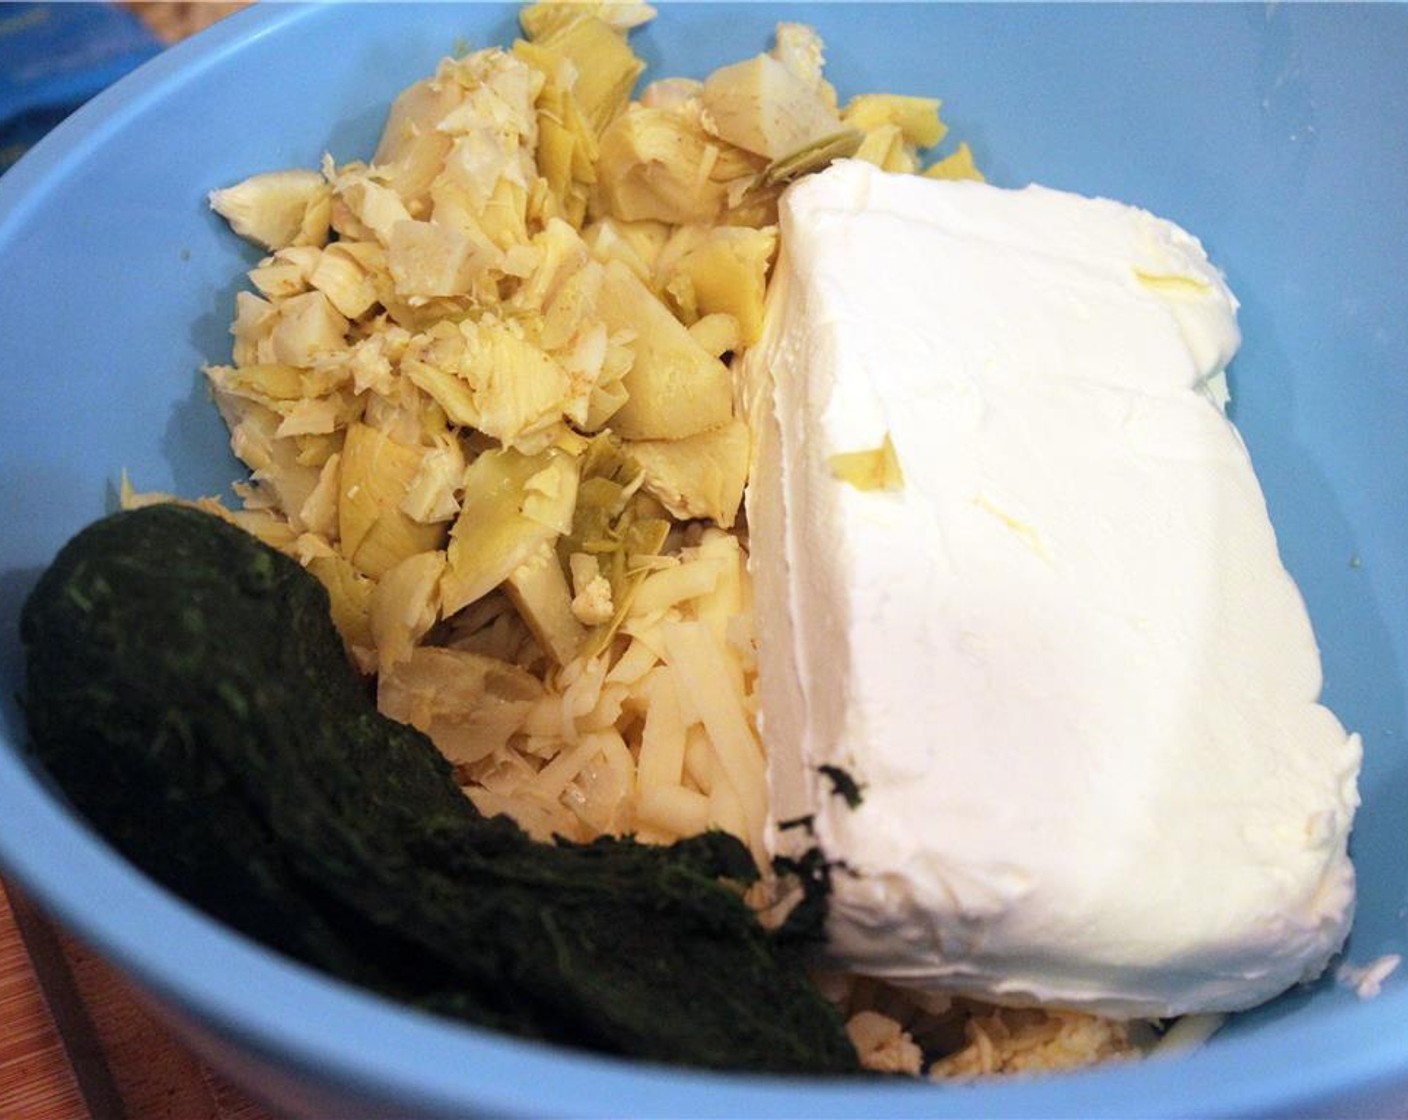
(237, 991)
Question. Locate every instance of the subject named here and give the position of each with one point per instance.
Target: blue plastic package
(54, 57)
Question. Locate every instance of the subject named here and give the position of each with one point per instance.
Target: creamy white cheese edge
(1064, 660)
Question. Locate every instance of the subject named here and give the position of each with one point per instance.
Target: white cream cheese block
(1061, 658)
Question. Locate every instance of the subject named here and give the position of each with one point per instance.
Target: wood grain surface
(77, 1044)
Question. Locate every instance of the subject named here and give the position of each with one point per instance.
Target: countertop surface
(76, 1042)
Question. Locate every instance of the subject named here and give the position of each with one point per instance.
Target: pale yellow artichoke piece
(412, 148)
(571, 307)
(319, 512)
(674, 387)
(957, 165)
(404, 606)
(427, 259)
(728, 273)
(603, 403)
(884, 146)
(376, 473)
(317, 416)
(433, 493)
(617, 525)
(641, 538)
(375, 208)
(453, 207)
(655, 164)
(512, 504)
(278, 279)
(468, 704)
(489, 377)
(567, 148)
(277, 208)
(800, 49)
(606, 66)
(306, 326)
(916, 117)
(282, 481)
(872, 469)
(272, 385)
(314, 450)
(763, 107)
(504, 218)
(671, 93)
(254, 320)
(718, 333)
(637, 245)
(345, 280)
(539, 592)
(701, 476)
(538, 20)
(563, 252)
(349, 595)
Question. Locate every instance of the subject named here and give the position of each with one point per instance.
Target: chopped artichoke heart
(271, 384)
(916, 117)
(487, 376)
(674, 387)
(493, 534)
(404, 605)
(428, 259)
(634, 244)
(538, 590)
(345, 280)
(728, 273)
(763, 107)
(718, 333)
(539, 20)
(877, 469)
(376, 208)
(468, 704)
(607, 68)
(654, 167)
(800, 49)
(376, 472)
(613, 523)
(701, 476)
(957, 165)
(563, 253)
(412, 148)
(349, 595)
(432, 494)
(305, 326)
(278, 279)
(277, 208)
(884, 146)
(625, 571)
(567, 148)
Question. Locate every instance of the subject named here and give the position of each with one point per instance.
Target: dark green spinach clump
(188, 692)
(843, 785)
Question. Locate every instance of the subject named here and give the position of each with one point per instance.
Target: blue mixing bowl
(1276, 133)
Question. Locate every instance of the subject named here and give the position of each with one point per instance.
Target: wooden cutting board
(77, 1044)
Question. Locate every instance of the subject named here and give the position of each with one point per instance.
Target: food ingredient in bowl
(482, 384)
(187, 689)
(1059, 655)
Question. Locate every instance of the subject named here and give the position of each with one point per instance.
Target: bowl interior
(1274, 134)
